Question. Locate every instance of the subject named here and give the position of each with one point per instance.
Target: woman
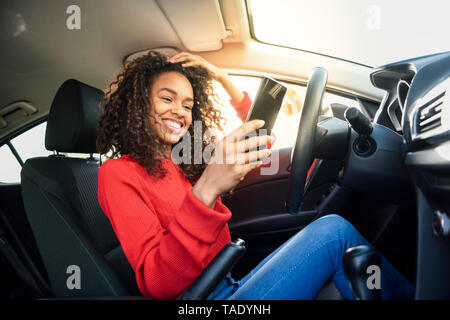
(170, 219)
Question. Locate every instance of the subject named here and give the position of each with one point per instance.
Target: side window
(285, 127)
(10, 168)
(29, 144)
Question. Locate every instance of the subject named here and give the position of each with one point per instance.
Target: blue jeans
(300, 268)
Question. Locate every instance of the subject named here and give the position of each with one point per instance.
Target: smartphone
(267, 103)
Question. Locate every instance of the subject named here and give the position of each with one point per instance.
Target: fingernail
(261, 122)
(268, 152)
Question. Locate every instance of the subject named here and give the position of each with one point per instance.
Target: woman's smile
(173, 125)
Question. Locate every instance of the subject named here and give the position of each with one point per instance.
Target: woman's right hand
(232, 159)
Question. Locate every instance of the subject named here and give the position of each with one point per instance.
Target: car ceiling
(39, 52)
(37, 61)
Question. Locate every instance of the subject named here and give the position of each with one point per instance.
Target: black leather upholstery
(60, 198)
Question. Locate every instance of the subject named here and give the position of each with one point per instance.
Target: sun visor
(198, 23)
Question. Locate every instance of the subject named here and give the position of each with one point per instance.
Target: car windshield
(367, 32)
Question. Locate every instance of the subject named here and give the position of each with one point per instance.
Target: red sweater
(242, 107)
(167, 234)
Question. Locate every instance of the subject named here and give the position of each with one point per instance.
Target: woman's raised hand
(190, 60)
(232, 159)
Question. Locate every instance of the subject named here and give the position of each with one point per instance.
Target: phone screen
(267, 103)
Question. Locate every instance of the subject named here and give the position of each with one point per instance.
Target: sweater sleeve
(242, 107)
(165, 260)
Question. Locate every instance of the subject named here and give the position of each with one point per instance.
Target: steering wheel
(301, 156)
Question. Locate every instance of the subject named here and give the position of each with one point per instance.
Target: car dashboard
(417, 105)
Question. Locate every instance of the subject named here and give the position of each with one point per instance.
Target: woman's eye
(188, 107)
(167, 99)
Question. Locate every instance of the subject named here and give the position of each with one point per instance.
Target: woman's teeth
(173, 124)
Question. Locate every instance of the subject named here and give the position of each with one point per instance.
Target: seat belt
(8, 251)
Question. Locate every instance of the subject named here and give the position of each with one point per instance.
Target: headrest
(72, 122)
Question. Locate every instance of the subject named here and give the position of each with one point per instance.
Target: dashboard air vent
(430, 114)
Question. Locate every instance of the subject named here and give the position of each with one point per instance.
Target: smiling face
(172, 99)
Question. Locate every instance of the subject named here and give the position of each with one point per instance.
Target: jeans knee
(336, 224)
(333, 219)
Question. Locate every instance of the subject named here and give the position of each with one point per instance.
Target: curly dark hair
(124, 126)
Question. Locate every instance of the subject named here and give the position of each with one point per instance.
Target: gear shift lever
(356, 262)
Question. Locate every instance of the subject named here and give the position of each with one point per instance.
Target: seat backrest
(81, 253)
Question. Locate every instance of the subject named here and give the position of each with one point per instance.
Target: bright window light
(368, 32)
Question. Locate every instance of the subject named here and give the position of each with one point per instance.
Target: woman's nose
(179, 109)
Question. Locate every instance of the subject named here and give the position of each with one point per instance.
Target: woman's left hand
(190, 60)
